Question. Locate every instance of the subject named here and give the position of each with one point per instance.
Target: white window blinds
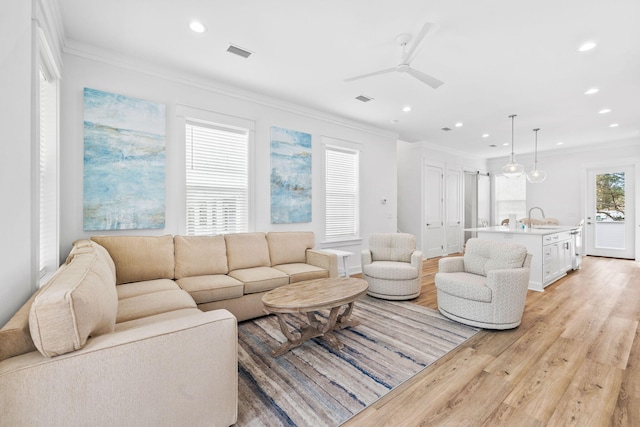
(216, 179)
(48, 173)
(342, 193)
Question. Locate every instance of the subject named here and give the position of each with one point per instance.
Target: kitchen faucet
(541, 211)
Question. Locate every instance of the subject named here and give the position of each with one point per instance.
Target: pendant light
(536, 175)
(512, 169)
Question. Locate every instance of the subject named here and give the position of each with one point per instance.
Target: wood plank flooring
(574, 361)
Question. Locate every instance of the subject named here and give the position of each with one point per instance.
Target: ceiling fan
(405, 64)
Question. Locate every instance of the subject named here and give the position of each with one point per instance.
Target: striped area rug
(313, 385)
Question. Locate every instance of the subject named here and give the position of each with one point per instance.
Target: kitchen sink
(549, 227)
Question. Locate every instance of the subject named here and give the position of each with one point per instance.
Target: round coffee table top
(312, 295)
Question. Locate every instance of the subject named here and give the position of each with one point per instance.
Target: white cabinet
(556, 256)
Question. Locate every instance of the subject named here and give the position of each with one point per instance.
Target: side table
(343, 255)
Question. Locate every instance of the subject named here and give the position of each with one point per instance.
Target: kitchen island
(552, 247)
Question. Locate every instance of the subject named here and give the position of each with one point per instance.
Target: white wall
(19, 277)
(378, 155)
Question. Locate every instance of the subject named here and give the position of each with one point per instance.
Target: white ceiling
(496, 57)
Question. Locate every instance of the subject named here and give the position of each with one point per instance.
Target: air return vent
(239, 51)
(364, 98)
(446, 129)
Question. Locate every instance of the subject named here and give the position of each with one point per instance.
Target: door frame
(584, 188)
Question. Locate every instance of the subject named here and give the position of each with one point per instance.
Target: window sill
(327, 244)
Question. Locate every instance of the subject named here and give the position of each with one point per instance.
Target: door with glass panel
(609, 217)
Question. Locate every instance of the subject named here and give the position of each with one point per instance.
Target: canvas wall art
(124, 162)
(290, 176)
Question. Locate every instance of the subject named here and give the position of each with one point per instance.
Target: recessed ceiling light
(197, 27)
(505, 143)
(592, 91)
(459, 124)
(406, 108)
(614, 125)
(586, 46)
(559, 143)
(485, 135)
(604, 111)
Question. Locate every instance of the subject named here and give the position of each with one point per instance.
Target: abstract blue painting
(290, 176)
(124, 162)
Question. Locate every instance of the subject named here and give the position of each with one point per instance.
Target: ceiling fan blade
(425, 78)
(421, 35)
(388, 70)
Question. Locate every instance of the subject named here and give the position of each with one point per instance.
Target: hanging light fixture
(512, 169)
(536, 175)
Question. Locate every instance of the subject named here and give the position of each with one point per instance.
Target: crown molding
(75, 48)
(49, 20)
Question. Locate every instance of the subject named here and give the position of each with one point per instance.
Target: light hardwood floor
(574, 361)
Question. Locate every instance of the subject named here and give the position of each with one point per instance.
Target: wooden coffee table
(309, 297)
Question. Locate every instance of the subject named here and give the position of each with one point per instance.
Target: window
(342, 193)
(48, 173)
(511, 197)
(216, 179)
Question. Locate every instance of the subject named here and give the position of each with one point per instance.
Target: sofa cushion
(247, 250)
(154, 319)
(482, 256)
(88, 246)
(200, 256)
(260, 279)
(154, 303)
(140, 257)
(15, 336)
(79, 301)
(392, 246)
(215, 287)
(390, 270)
(128, 290)
(465, 285)
(290, 246)
(298, 272)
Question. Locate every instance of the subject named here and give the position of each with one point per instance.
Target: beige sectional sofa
(142, 330)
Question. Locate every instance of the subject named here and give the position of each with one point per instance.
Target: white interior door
(609, 217)
(453, 212)
(433, 231)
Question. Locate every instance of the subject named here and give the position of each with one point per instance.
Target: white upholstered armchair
(487, 287)
(392, 266)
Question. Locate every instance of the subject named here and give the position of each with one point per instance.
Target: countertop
(539, 230)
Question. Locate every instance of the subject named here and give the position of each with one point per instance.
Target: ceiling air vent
(364, 98)
(446, 129)
(239, 51)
